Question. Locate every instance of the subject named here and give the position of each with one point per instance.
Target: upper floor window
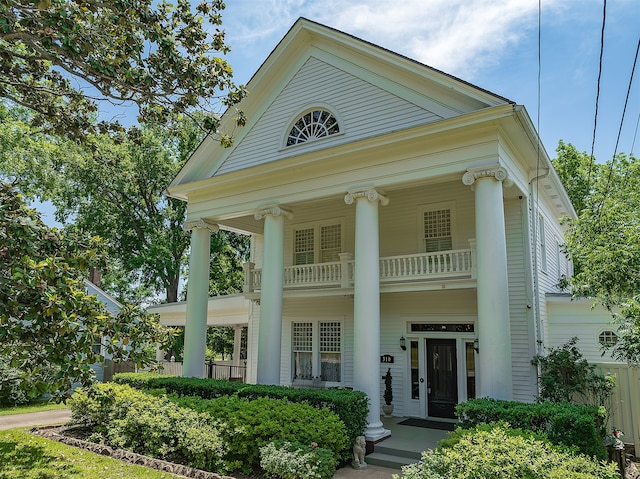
(543, 244)
(437, 230)
(320, 243)
(312, 125)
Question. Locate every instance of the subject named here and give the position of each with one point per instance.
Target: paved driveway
(45, 418)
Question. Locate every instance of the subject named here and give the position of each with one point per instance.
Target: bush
(351, 406)
(573, 425)
(498, 452)
(292, 460)
(122, 417)
(248, 425)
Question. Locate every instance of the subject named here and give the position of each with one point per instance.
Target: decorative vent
(311, 126)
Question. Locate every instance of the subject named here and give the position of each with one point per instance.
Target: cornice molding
(200, 223)
(274, 210)
(370, 194)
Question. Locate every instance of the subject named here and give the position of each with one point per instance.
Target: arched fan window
(312, 125)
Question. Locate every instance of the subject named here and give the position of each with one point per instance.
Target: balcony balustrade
(440, 265)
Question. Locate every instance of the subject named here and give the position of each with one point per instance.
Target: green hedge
(498, 452)
(351, 406)
(581, 427)
(247, 425)
(123, 417)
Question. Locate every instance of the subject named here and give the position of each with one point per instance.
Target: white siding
(522, 328)
(364, 110)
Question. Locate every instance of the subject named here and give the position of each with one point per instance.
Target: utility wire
(624, 110)
(595, 116)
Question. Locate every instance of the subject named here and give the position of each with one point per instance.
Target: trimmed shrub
(123, 417)
(292, 460)
(248, 425)
(572, 425)
(351, 406)
(498, 452)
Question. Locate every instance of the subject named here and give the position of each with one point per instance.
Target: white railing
(425, 265)
(411, 267)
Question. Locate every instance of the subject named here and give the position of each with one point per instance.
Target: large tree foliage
(60, 57)
(115, 190)
(604, 241)
(47, 320)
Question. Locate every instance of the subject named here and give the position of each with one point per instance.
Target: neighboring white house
(113, 307)
(399, 217)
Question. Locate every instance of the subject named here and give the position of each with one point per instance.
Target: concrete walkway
(44, 418)
(61, 416)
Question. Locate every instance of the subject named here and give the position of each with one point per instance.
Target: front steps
(390, 457)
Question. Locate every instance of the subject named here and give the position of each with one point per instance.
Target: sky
(490, 43)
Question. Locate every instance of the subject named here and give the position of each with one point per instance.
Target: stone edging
(56, 433)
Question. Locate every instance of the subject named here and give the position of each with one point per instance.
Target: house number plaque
(386, 359)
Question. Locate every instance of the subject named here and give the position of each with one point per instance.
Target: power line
(595, 116)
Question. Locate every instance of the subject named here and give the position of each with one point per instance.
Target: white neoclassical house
(400, 218)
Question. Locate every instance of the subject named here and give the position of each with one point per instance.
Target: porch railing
(393, 269)
(211, 370)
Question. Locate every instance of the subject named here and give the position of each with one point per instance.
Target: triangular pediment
(371, 92)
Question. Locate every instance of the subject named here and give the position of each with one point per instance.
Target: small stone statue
(359, 449)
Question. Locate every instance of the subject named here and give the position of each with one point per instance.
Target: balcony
(411, 268)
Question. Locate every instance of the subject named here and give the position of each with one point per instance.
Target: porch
(435, 266)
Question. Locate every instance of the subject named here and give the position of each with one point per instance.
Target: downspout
(533, 245)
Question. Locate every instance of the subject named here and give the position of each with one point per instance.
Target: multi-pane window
(330, 356)
(304, 246)
(302, 350)
(318, 243)
(608, 338)
(317, 351)
(312, 125)
(543, 244)
(437, 230)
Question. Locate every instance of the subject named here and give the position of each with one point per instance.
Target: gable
(372, 91)
(362, 109)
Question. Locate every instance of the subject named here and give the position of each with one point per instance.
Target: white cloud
(457, 36)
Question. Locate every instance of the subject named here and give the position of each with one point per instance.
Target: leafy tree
(46, 317)
(115, 190)
(220, 340)
(59, 58)
(604, 241)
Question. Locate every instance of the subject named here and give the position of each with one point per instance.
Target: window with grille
(304, 246)
(319, 243)
(608, 338)
(330, 243)
(311, 126)
(437, 230)
(330, 348)
(543, 243)
(302, 350)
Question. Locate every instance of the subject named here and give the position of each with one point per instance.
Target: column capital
(200, 223)
(273, 210)
(370, 194)
(492, 171)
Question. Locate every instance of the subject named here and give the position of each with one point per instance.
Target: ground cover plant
(25, 456)
(293, 460)
(497, 451)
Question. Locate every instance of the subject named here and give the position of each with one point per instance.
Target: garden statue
(358, 453)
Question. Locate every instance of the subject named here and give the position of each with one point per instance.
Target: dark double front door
(442, 378)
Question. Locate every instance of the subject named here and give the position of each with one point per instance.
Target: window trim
(303, 111)
(317, 226)
(542, 242)
(316, 359)
(607, 332)
(443, 205)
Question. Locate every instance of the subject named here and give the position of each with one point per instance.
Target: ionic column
(195, 332)
(366, 311)
(494, 326)
(270, 326)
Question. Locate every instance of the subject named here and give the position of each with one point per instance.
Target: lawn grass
(25, 456)
(33, 407)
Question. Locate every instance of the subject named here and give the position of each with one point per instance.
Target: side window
(543, 244)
